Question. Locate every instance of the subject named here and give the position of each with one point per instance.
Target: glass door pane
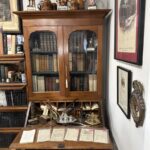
(83, 60)
(44, 61)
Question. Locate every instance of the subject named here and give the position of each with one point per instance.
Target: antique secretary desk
(65, 59)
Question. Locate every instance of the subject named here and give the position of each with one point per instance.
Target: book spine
(1, 42)
(41, 83)
(70, 61)
(9, 44)
(90, 82)
(34, 83)
(5, 43)
(2, 73)
(55, 65)
(13, 44)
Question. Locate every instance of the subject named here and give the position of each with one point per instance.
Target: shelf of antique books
(13, 101)
(13, 108)
(11, 119)
(83, 60)
(44, 61)
(78, 113)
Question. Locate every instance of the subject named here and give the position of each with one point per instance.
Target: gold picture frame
(8, 20)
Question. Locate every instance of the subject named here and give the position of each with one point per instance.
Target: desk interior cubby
(76, 113)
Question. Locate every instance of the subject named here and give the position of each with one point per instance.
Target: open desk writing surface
(58, 145)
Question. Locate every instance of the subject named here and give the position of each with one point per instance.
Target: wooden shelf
(101, 13)
(12, 86)
(82, 72)
(10, 130)
(11, 59)
(46, 73)
(13, 108)
(46, 53)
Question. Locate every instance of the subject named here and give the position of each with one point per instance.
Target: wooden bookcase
(64, 55)
(14, 109)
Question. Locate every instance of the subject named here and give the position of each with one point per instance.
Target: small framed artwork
(123, 90)
(8, 20)
(129, 30)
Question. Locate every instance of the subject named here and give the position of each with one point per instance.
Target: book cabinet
(12, 115)
(13, 102)
(64, 53)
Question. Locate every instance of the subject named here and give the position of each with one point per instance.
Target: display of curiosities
(70, 4)
(61, 5)
(45, 5)
(65, 115)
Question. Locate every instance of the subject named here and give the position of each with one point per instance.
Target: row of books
(45, 83)
(44, 63)
(82, 62)
(43, 41)
(13, 98)
(13, 43)
(84, 83)
(16, 98)
(80, 41)
(65, 134)
(12, 119)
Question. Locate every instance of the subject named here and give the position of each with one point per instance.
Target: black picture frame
(124, 90)
(13, 25)
(129, 30)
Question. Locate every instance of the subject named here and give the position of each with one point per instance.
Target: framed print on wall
(123, 90)
(129, 30)
(8, 20)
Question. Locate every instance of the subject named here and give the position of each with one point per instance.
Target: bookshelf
(13, 104)
(11, 59)
(65, 58)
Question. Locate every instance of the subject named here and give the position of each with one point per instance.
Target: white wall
(126, 135)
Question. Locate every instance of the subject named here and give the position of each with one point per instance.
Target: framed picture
(8, 20)
(123, 90)
(129, 30)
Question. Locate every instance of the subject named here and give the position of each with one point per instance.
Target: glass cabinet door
(82, 49)
(44, 61)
